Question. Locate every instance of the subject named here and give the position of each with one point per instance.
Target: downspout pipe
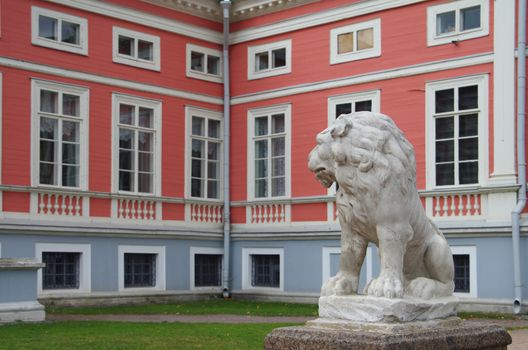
(226, 266)
(521, 156)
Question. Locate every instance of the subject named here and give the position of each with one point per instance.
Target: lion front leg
(353, 249)
(392, 244)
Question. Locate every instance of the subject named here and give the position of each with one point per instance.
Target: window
(67, 270)
(355, 42)
(60, 114)
(465, 261)
(269, 152)
(356, 102)
(458, 124)
(61, 270)
(269, 59)
(330, 265)
(204, 63)
(206, 268)
(263, 268)
(137, 145)
(59, 31)
(136, 49)
(457, 20)
(141, 268)
(204, 146)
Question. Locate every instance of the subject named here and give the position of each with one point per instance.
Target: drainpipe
(521, 156)
(226, 6)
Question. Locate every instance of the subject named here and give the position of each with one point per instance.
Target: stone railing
(268, 213)
(136, 208)
(204, 212)
(460, 204)
(59, 203)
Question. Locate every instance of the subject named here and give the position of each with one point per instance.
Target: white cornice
(71, 74)
(209, 9)
(392, 73)
(318, 18)
(127, 14)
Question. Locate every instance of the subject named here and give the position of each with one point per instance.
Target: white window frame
(206, 114)
(375, 51)
(269, 47)
(327, 267)
(206, 251)
(135, 61)
(81, 49)
(143, 102)
(191, 73)
(246, 268)
(472, 252)
(136, 249)
(84, 94)
(260, 112)
(85, 267)
(457, 35)
(483, 162)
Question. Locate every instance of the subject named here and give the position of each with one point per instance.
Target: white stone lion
(377, 201)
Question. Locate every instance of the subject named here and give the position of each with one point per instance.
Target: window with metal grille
(207, 270)
(265, 271)
(461, 273)
(140, 270)
(61, 271)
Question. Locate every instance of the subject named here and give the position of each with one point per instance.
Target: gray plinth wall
(18, 291)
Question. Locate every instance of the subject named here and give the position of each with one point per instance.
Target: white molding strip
(153, 21)
(392, 73)
(318, 18)
(71, 74)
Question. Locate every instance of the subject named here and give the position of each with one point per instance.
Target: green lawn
(118, 335)
(232, 307)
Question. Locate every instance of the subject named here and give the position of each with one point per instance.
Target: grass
(232, 307)
(487, 315)
(118, 335)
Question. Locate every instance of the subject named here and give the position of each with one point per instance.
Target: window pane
(444, 100)
(126, 138)
(261, 168)
(146, 117)
(126, 181)
(213, 151)
(70, 176)
(197, 59)
(145, 183)
(468, 97)
(198, 126)
(70, 153)
(345, 43)
(140, 270)
(145, 161)
(261, 126)
(277, 123)
(70, 33)
(470, 18)
(47, 174)
(277, 146)
(445, 23)
(212, 189)
(126, 114)
(445, 174)
(444, 128)
(265, 270)
(468, 173)
(278, 166)
(445, 151)
(343, 108)
(70, 105)
(261, 61)
(207, 270)
(364, 106)
(47, 151)
(145, 141)
(47, 27)
(49, 101)
(196, 168)
(48, 128)
(279, 58)
(212, 170)
(468, 149)
(61, 270)
(468, 125)
(261, 188)
(126, 45)
(198, 148)
(196, 188)
(365, 39)
(213, 128)
(213, 65)
(145, 50)
(261, 149)
(126, 160)
(461, 262)
(278, 187)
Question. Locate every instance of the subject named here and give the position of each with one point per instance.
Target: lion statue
(373, 164)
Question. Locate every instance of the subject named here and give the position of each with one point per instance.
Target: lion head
(362, 149)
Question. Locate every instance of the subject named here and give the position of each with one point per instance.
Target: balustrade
(59, 204)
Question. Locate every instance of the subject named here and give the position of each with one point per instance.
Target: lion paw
(341, 284)
(388, 287)
(426, 288)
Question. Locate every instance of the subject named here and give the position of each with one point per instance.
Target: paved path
(519, 336)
